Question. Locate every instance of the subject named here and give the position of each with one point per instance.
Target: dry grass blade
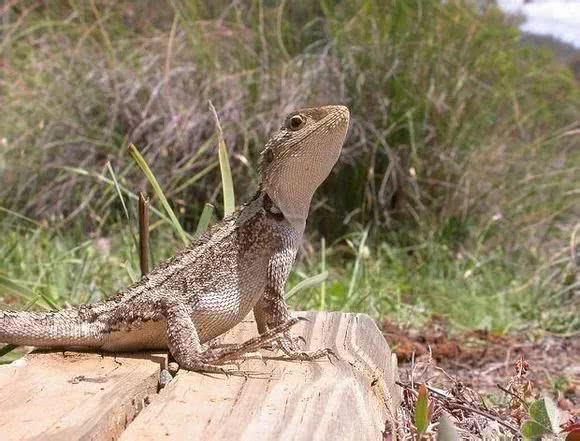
(355, 272)
(7, 349)
(144, 233)
(204, 220)
(130, 271)
(453, 404)
(307, 283)
(138, 158)
(22, 291)
(122, 199)
(574, 256)
(121, 188)
(227, 182)
(118, 190)
(18, 216)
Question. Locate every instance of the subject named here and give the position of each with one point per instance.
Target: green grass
(492, 291)
(406, 285)
(65, 268)
(456, 194)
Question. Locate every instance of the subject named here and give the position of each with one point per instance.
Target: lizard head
(300, 156)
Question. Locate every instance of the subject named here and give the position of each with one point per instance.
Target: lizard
(238, 265)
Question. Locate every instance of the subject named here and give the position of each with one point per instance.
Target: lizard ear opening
(267, 156)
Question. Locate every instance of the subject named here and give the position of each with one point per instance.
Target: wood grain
(49, 396)
(350, 399)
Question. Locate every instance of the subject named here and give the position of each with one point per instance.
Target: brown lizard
(239, 265)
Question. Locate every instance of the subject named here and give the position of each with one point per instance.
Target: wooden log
(51, 396)
(90, 396)
(353, 398)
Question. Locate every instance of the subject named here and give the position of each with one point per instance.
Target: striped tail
(48, 329)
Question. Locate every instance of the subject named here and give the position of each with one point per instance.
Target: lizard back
(220, 295)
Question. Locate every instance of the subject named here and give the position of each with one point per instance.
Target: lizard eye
(296, 122)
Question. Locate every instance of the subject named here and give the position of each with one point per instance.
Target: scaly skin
(240, 264)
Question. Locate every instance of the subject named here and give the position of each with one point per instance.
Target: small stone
(172, 367)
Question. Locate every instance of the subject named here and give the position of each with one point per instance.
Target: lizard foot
(212, 359)
(292, 351)
(206, 368)
(263, 341)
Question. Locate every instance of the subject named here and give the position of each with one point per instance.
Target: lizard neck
(296, 217)
(297, 222)
(295, 209)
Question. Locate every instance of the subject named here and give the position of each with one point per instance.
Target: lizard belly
(142, 336)
(221, 310)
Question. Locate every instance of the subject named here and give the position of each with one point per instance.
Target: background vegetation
(457, 192)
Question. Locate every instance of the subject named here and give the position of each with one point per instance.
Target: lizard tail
(47, 329)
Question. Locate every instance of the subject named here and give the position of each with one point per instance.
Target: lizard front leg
(272, 311)
(183, 339)
(184, 343)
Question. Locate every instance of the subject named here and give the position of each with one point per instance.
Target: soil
(500, 370)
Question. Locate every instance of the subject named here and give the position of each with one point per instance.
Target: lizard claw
(165, 378)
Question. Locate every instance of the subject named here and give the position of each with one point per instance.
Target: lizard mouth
(337, 116)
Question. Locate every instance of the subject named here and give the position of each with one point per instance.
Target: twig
(509, 392)
(450, 403)
(144, 233)
(431, 389)
(487, 415)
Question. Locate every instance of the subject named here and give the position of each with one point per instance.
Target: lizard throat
(297, 220)
(295, 213)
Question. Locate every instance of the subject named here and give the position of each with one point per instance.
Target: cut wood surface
(88, 396)
(349, 399)
(51, 396)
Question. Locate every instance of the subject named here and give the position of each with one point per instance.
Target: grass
(461, 165)
(405, 285)
(491, 291)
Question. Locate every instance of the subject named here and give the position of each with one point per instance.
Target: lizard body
(240, 264)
